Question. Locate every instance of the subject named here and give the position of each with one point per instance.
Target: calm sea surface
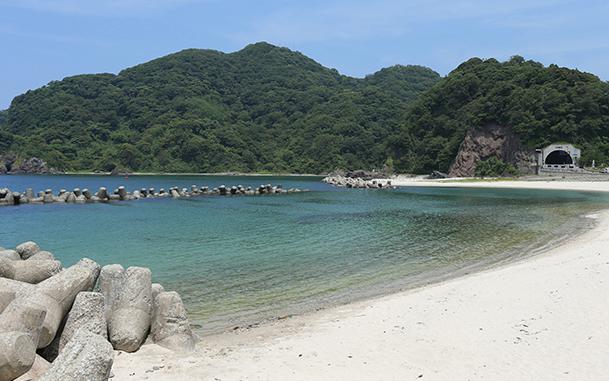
(240, 260)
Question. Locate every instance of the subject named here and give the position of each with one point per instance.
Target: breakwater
(64, 324)
(357, 182)
(83, 196)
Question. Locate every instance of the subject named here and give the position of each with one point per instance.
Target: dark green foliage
(541, 104)
(494, 167)
(262, 109)
(269, 109)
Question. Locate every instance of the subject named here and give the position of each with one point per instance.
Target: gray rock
(9, 199)
(21, 289)
(86, 357)
(94, 269)
(51, 351)
(62, 196)
(71, 198)
(88, 313)
(40, 367)
(437, 175)
(6, 297)
(102, 193)
(29, 271)
(170, 327)
(156, 289)
(129, 322)
(110, 280)
(48, 198)
(122, 192)
(20, 325)
(10, 254)
(42, 256)
(27, 249)
(57, 295)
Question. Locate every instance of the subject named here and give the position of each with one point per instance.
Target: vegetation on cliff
(540, 104)
(260, 109)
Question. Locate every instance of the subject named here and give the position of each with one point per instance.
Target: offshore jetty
(66, 324)
(78, 196)
(357, 182)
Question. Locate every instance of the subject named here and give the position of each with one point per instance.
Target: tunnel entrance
(559, 157)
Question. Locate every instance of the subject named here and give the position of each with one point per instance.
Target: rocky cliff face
(492, 140)
(10, 164)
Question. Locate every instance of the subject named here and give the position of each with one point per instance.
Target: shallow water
(238, 260)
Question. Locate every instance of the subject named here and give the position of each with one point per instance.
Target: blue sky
(45, 40)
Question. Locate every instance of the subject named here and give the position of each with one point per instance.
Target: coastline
(247, 174)
(514, 321)
(558, 184)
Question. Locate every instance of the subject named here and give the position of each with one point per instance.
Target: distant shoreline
(540, 184)
(193, 174)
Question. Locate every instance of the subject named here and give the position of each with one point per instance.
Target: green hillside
(541, 104)
(270, 109)
(263, 108)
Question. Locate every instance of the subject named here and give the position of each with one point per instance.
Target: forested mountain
(263, 108)
(267, 108)
(542, 105)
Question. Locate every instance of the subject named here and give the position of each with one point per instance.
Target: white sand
(404, 181)
(544, 318)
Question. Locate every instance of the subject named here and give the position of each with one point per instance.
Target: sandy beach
(542, 318)
(556, 184)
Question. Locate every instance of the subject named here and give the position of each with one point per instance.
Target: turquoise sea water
(240, 260)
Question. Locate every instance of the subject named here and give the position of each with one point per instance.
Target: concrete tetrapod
(129, 321)
(6, 297)
(36, 371)
(27, 249)
(156, 289)
(42, 256)
(110, 280)
(10, 254)
(20, 326)
(170, 327)
(87, 356)
(57, 294)
(33, 271)
(87, 312)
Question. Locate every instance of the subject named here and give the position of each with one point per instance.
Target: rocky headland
(11, 164)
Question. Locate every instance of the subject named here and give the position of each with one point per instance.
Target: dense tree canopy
(541, 104)
(269, 109)
(262, 109)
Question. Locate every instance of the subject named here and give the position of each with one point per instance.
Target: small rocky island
(78, 196)
(61, 324)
